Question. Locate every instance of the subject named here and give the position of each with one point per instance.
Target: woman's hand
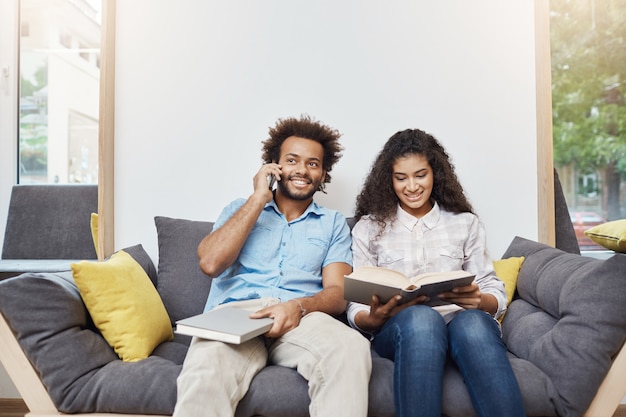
(379, 313)
(467, 297)
(470, 297)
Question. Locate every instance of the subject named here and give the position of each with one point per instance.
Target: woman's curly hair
(377, 197)
(308, 128)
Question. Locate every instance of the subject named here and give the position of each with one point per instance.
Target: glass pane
(589, 109)
(59, 89)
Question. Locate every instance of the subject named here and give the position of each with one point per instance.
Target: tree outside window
(588, 47)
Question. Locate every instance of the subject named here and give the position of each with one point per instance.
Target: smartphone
(271, 180)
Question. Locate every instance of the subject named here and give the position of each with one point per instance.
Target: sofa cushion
(140, 255)
(80, 370)
(290, 398)
(124, 304)
(50, 221)
(183, 286)
(569, 319)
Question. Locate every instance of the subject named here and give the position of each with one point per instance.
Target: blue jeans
(418, 341)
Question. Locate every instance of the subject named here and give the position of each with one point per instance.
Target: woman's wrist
(488, 303)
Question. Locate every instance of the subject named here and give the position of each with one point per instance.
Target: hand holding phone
(271, 180)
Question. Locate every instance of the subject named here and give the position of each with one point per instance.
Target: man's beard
(299, 196)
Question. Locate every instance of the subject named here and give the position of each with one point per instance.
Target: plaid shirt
(439, 241)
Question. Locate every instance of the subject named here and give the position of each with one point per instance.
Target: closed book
(365, 281)
(226, 324)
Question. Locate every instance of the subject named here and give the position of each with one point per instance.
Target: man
(282, 256)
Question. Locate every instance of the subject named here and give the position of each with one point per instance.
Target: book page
(381, 275)
(430, 277)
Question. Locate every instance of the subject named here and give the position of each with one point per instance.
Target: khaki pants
(334, 358)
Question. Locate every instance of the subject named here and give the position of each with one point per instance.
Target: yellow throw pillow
(611, 235)
(508, 270)
(94, 231)
(124, 304)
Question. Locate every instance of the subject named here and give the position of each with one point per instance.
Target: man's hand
(286, 317)
(380, 313)
(220, 248)
(260, 180)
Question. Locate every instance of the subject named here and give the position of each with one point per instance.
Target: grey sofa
(564, 331)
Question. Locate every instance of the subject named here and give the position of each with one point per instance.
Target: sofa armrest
(612, 389)
(14, 267)
(22, 372)
(27, 381)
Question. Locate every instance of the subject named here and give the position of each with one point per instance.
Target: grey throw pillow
(184, 288)
(140, 255)
(569, 319)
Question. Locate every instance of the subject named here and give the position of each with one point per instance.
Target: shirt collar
(409, 221)
(312, 208)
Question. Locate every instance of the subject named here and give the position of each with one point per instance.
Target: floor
(17, 408)
(12, 408)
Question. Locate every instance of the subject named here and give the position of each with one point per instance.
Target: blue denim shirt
(282, 259)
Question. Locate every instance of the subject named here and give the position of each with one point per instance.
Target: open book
(226, 324)
(366, 281)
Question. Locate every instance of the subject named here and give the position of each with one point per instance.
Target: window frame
(545, 157)
(106, 206)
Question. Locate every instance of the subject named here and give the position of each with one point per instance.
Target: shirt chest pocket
(309, 253)
(262, 244)
(449, 258)
(392, 259)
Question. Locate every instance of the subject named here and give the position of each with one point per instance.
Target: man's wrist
(302, 309)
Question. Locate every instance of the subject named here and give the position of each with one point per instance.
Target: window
(589, 109)
(59, 91)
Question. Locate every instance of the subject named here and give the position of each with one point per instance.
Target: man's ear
(322, 186)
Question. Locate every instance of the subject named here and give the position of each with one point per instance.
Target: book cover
(226, 324)
(363, 282)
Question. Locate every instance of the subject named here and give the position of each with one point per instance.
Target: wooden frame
(106, 149)
(26, 379)
(545, 159)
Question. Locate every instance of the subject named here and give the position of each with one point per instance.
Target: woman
(412, 216)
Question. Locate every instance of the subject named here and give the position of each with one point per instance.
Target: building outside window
(59, 58)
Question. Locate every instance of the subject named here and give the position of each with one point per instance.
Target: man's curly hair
(377, 197)
(308, 128)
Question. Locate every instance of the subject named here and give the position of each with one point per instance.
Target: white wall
(199, 82)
